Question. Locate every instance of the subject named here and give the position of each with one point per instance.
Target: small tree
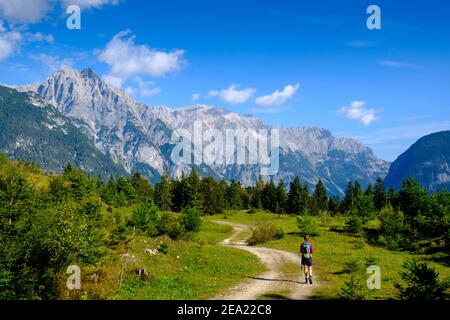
(191, 220)
(146, 217)
(354, 225)
(355, 288)
(392, 227)
(308, 226)
(421, 283)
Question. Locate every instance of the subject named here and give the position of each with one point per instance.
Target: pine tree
(295, 205)
(213, 197)
(349, 199)
(109, 192)
(163, 196)
(270, 197)
(141, 186)
(380, 197)
(282, 197)
(320, 198)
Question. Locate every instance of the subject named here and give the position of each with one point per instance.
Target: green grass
(194, 268)
(333, 249)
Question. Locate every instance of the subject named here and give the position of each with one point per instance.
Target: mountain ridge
(138, 136)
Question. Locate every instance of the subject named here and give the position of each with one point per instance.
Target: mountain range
(127, 136)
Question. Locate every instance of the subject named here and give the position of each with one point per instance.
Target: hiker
(306, 250)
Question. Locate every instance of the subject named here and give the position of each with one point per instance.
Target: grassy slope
(196, 269)
(333, 249)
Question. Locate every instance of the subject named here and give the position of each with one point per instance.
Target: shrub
(308, 226)
(164, 248)
(392, 228)
(261, 233)
(169, 225)
(191, 220)
(421, 283)
(355, 288)
(146, 218)
(354, 225)
(279, 234)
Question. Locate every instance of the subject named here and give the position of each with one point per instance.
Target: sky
(290, 63)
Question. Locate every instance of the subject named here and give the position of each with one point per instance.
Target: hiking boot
(306, 280)
(310, 280)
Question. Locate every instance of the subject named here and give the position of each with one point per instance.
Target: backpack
(306, 250)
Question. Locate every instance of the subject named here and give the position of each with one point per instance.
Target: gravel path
(273, 284)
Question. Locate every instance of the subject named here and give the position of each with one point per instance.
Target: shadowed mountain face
(428, 161)
(138, 137)
(33, 130)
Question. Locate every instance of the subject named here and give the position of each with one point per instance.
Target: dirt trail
(272, 284)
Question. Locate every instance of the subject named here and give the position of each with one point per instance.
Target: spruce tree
(380, 197)
(163, 196)
(320, 198)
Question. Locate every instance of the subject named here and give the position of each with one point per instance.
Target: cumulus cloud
(143, 88)
(9, 42)
(52, 62)
(126, 59)
(24, 11)
(278, 98)
(358, 111)
(233, 95)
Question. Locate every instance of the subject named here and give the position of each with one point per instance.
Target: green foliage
(164, 248)
(171, 226)
(392, 227)
(298, 198)
(191, 220)
(146, 218)
(353, 225)
(364, 207)
(308, 226)
(163, 196)
(262, 232)
(355, 287)
(421, 283)
(320, 198)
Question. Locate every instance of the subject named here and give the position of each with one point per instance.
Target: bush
(354, 225)
(261, 233)
(308, 226)
(169, 225)
(191, 220)
(355, 288)
(279, 234)
(146, 218)
(421, 283)
(392, 228)
(164, 248)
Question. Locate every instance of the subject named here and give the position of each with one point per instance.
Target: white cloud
(232, 94)
(399, 64)
(51, 62)
(87, 4)
(39, 37)
(9, 43)
(358, 111)
(195, 97)
(114, 81)
(143, 88)
(24, 11)
(126, 59)
(278, 98)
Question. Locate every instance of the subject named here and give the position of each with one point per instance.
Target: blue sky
(291, 63)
